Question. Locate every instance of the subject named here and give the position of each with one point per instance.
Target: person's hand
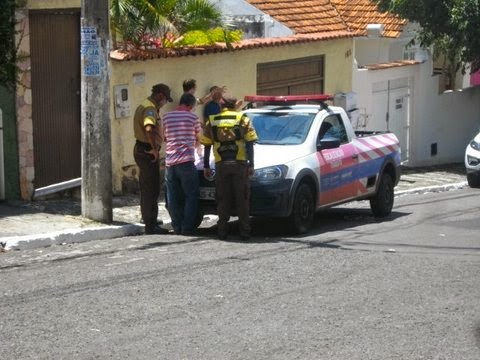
(199, 149)
(154, 153)
(207, 173)
(250, 171)
(219, 91)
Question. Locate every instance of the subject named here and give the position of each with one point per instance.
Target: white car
(472, 162)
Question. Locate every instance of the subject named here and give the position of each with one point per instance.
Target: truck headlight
(475, 145)
(270, 173)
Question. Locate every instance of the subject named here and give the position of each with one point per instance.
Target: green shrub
(210, 37)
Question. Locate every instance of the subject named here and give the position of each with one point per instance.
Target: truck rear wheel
(382, 202)
(303, 211)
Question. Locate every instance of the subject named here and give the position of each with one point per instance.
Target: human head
(229, 102)
(188, 100)
(189, 86)
(161, 93)
(217, 93)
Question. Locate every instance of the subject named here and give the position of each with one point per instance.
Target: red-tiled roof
(138, 54)
(311, 20)
(303, 17)
(359, 13)
(311, 16)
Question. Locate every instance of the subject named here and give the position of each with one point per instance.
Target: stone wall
(24, 110)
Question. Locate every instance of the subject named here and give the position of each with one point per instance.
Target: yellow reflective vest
(228, 132)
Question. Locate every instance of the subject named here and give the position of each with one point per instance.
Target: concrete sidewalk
(43, 223)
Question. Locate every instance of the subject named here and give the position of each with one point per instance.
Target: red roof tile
(310, 16)
(311, 20)
(359, 13)
(146, 54)
(303, 17)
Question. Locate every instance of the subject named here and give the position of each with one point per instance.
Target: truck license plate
(207, 193)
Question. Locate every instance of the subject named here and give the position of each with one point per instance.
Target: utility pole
(96, 132)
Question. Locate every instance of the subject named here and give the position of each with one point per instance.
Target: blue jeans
(182, 195)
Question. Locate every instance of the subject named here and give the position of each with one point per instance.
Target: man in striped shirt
(181, 130)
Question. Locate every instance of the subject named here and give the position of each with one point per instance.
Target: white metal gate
(391, 110)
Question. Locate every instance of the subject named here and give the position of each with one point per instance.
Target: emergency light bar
(279, 99)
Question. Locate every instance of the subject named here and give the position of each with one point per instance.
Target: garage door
(292, 77)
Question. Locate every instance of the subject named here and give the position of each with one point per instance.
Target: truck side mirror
(328, 143)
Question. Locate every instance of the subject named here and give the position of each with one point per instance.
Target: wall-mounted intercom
(122, 101)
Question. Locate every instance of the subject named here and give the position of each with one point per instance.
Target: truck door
(338, 165)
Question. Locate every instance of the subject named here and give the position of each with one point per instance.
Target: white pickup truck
(308, 157)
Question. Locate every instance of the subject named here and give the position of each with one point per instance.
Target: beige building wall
(236, 69)
(53, 4)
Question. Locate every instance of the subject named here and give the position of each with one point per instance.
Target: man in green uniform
(147, 131)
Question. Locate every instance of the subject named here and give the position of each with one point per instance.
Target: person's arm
(160, 132)
(198, 144)
(250, 157)
(207, 111)
(249, 136)
(206, 156)
(207, 172)
(151, 126)
(205, 99)
(238, 105)
(206, 140)
(152, 139)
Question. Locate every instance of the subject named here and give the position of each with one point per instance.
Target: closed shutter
(293, 77)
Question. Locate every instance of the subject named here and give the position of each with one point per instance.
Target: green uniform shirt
(145, 114)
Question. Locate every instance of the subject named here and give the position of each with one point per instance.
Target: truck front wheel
(382, 202)
(473, 180)
(303, 211)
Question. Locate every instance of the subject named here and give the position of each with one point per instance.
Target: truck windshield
(280, 128)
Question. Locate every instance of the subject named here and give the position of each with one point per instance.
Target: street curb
(116, 231)
(433, 188)
(71, 236)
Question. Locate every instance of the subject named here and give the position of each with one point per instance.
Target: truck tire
(473, 180)
(303, 211)
(382, 202)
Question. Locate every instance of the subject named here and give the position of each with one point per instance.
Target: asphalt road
(354, 288)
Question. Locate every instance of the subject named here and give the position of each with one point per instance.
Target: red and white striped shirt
(180, 130)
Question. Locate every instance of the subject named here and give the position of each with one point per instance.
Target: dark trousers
(182, 194)
(149, 183)
(233, 192)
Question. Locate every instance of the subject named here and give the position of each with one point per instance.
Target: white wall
(371, 51)
(449, 119)
(235, 7)
(239, 8)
